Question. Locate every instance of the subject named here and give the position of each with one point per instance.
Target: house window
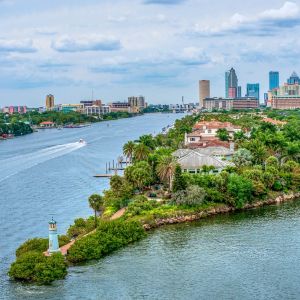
(192, 139)
(209, 130)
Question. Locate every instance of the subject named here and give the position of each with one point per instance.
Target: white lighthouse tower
(53, 237)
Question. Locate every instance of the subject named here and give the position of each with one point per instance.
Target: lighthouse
(53, 238)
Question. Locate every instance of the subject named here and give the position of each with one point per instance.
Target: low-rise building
(72, 107)
(194, 162)
(97, 110)
(230, 104)
(119, 107)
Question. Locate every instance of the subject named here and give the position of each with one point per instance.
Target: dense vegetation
(17, 128)
(60, 118)
(266, 163)
(109, 236)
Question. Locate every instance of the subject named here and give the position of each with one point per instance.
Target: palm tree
(141, 152)
(96, 203)
(166, 168)
(128, 150)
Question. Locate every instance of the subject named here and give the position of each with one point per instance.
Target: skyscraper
(239, 92)
(253, 90)
(49, 102)
(231, 84)
(204, 91)
(273, 80)
(227, 84)
(294, 78)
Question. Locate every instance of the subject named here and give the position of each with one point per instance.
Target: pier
(113, 167)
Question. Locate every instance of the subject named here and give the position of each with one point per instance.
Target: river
(250, 255)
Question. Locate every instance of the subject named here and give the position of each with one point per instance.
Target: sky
(157, 48)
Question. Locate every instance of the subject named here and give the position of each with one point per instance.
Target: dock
(103, 175)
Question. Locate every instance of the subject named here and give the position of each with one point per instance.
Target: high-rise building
(204, 91)
(239, 92)
(294, 78)
(227, 84)
(273, 80)
(137, 104)
(231, 84)
(49, 102)
(253, 90)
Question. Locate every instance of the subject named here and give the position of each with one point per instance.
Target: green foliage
(242, 158)
(36, 244)
(179, 181)
(140, 205)
(192, 196)
(35, 267)
(223, 134)
(139, 174)
(80, 227)
(108, 237)
(96, 203)
(240, 190)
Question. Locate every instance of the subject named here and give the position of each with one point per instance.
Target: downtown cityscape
(177, 177)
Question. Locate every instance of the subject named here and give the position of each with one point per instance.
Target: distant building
(72, 108)
(119, 107)
(86, 103)
(253, 90)
(49, 102)
(294, 79)
(239, 92)
(229, 104)
(204, 91)
(273, 80)
(286, 96)
(137, 104)
(14, 110)
(231, 84)
(97, 110)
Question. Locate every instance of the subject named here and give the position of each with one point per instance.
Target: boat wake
(14, 165)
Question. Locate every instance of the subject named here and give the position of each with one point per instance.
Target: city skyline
(43, 52)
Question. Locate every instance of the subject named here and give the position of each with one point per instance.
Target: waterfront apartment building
(273, 80)
(49, 102)
(253, 90)
(204, 91)
(230, 104)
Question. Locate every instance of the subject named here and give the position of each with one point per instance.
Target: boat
(81, 141)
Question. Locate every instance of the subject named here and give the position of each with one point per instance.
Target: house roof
(274, 122)
(195, 160)
(210, 151)
(46, 123)
(215, 125)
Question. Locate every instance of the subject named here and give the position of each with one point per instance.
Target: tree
(179, 182)
(242, 158)
(141, 152)
(223, 134)
(165, 169)
(240, 189)
(128, 150)
(96, 203)
(139, 174)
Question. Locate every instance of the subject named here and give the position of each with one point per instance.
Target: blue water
(247, 255)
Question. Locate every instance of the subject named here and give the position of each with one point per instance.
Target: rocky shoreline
(219, 210)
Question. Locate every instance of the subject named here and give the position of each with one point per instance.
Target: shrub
(192, 196)
(36, 244)
(81, 226)
(139, 205)
(109, 236)
(35, 267)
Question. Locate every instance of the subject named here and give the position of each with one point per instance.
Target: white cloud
(19, 46)
(95, 43)
(266, 23)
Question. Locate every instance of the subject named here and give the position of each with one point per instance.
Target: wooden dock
(103, 175)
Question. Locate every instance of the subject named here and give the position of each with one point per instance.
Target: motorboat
(81, 141)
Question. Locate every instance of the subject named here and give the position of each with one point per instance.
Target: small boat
(81, 141)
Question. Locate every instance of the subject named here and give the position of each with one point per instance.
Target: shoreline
(219, 210)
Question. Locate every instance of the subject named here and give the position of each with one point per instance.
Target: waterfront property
(196, 162)
(205, 133)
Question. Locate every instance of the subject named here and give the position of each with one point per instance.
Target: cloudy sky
(157, 48)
